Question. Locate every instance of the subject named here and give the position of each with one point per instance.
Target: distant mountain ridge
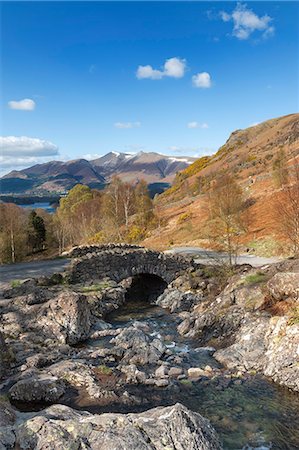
(59, 176)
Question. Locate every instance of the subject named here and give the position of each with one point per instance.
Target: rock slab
(172, 428)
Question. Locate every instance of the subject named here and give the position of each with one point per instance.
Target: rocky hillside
(57, 176)
(248, 154)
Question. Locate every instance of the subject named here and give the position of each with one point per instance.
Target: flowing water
(248, 413)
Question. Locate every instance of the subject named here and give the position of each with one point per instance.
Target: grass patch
(186, 382)
(97, 287)
(15, 283)
(255, 278)
(104, 370)
(265, 247)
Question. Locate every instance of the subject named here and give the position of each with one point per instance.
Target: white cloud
(24, 105)
(26, 146)
(202, 80)
(225, 16)
(246, 22)
(173, 67)
(197, 125)
(148, 72)
(91, 156)
(21, 152)
(127, 125)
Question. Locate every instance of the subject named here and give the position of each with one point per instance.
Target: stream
(248, 413)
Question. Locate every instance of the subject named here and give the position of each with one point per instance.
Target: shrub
(136, 234)
(184, 217)
(294, 316)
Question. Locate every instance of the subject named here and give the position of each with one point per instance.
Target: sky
(80, 79)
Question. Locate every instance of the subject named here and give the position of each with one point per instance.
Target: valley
(149, 225)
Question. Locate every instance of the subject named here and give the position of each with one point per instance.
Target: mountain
(152, 167)
(57, 176)
(248, 154)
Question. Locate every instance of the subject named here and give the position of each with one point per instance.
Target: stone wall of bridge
(119, 262)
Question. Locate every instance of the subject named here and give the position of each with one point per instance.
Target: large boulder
(268, 345)
(214, 323)
(80, 376)
(177, 301)
(107, 300)
(37, 389)
(138, 347)
(7, 420)
(67, 317)
(284, 285)
(172, 428)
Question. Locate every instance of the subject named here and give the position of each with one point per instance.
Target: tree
(144, 204)
(75, 216)
(113, 206)
(226, 222)
(12, 233)
(49, 222)
(286, 210)
(280, 169)
(127, 201)
(36, 232)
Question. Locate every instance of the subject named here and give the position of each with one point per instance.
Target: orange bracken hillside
(249, 155)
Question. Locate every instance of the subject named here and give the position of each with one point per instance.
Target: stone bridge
(121, 261)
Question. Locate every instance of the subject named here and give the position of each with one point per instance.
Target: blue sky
(85, 78)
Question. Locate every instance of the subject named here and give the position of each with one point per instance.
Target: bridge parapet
(82, 250)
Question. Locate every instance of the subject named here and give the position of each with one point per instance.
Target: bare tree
(113, 207)
(12, 232)
(128, 201)
(280, 169)
(286, 209)
(226, 219)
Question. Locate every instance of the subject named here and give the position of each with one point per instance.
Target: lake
(42, 205)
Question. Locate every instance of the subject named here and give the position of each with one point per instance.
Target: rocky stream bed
(142, 365)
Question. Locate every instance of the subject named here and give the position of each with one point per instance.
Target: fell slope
(249, 155)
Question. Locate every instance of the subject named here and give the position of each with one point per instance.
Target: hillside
(249, 155)
(57, 176)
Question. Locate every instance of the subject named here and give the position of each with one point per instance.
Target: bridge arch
(145, 287)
